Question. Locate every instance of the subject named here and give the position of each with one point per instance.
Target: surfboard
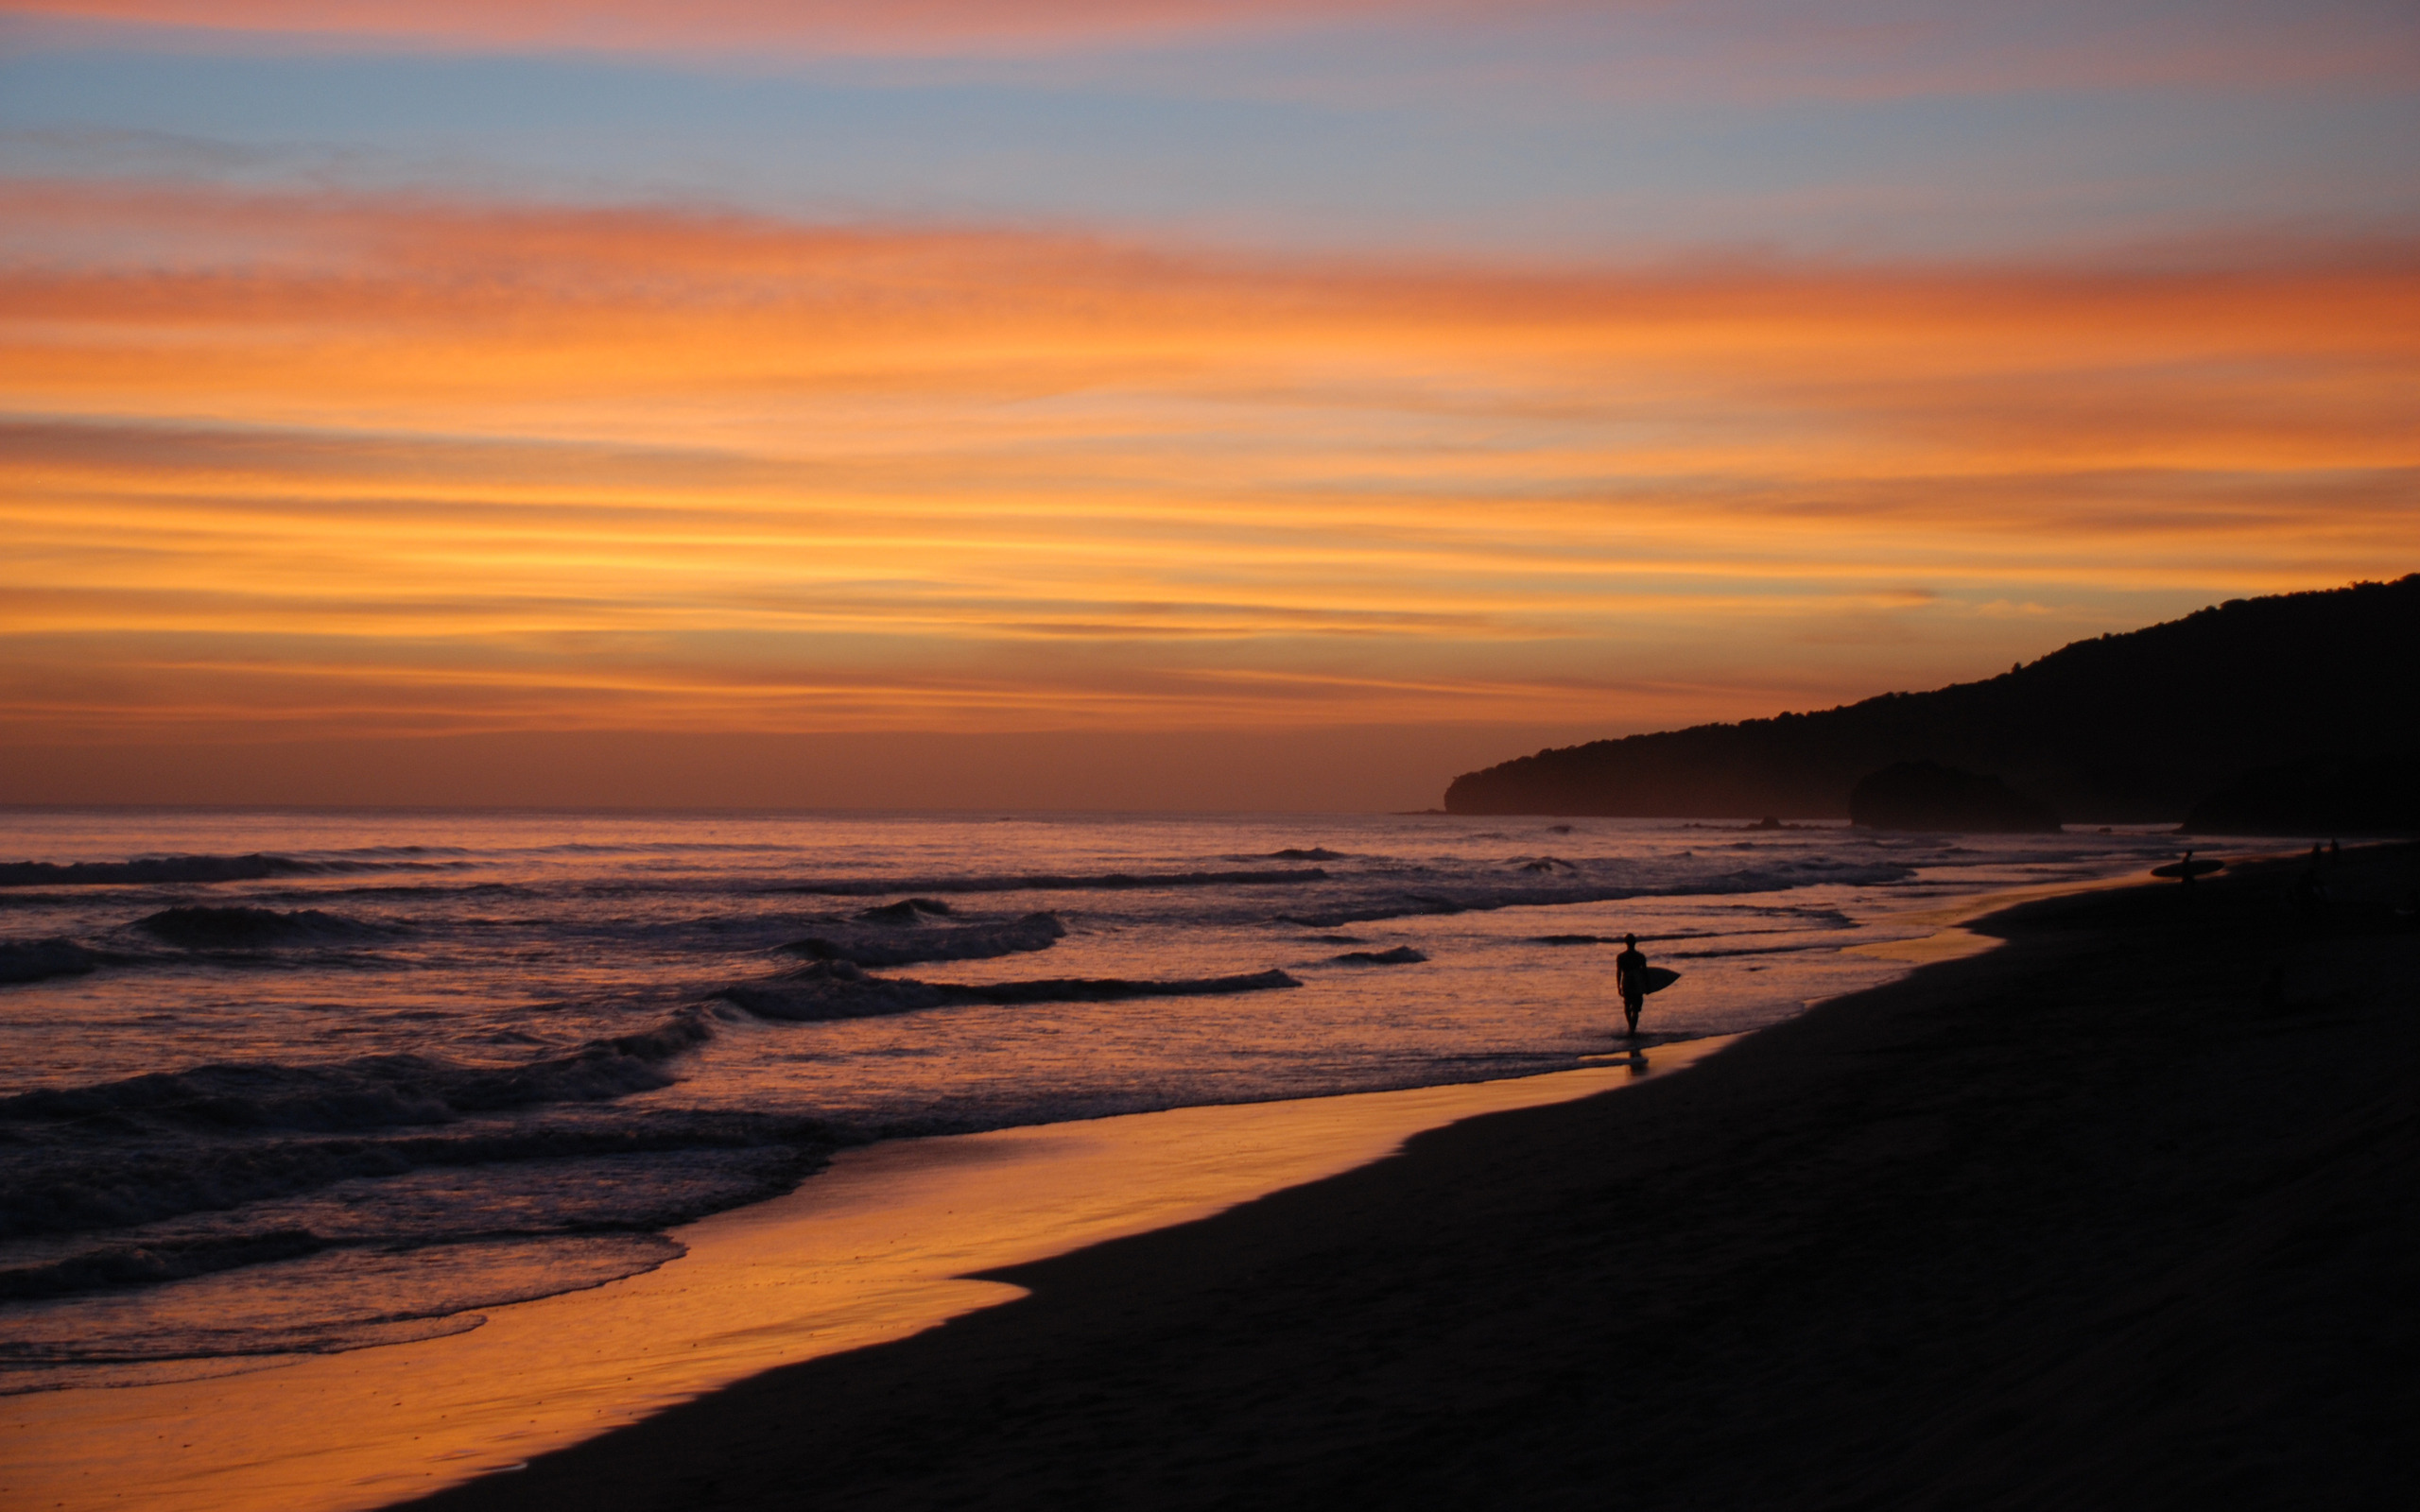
(2189, 869)
(1655, 979)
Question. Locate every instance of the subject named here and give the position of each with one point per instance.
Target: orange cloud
(333, 466)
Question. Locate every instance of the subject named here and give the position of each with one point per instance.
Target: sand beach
(892, 1239)
(2092, 1219)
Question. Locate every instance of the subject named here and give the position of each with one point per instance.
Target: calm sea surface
(276, 1083)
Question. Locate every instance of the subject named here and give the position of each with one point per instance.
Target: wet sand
(2081, 1222)
(875, 1248)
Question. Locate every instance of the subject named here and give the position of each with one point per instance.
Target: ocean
(281, 1083)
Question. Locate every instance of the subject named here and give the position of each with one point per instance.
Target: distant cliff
(2135, 728)
(1928, 796)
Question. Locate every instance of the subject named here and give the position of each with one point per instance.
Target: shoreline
(748, 1297)
(2078, 1222)
(888, 1241)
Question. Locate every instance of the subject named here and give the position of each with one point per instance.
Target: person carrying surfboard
(2189, 869)
(1629, 978)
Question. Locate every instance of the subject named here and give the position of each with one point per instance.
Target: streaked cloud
(810, 373)
(1882, 128)
(342, 464)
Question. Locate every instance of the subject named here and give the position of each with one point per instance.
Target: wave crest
(1097, 882)
(372, 1091)
(893, 946)
(1400, 955)
(207, 927)
(31, 961)
(1481, 900)
(837, 990)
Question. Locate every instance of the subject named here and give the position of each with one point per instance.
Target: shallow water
(369, 1073)
(894, 1238)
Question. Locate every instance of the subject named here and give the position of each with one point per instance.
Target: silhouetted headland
(2320, 795)
(2126, 728)
(1928, 796)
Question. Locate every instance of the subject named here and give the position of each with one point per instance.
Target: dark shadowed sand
(2076, 1223)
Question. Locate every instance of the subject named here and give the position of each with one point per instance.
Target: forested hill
(2132, 727)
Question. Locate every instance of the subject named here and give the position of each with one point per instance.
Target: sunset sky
(1150, 403)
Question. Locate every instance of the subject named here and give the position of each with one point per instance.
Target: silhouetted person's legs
(1630, 970)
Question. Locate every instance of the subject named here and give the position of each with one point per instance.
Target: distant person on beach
(2311, 889)
(1630, 978)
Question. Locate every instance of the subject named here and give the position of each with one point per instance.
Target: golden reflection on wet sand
(872, 1249)
(1950, 938)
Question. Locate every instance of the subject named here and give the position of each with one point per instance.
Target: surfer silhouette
(2189, 869)
(1630, 978)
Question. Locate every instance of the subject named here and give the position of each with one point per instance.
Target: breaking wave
(906, 911)
(374, 1091)
(1400, 955)
(1480, 900)
(297, 1296)
(1815, 920)
(895, 946)
(154, 869)
(31, 961)
(837, 990)
(1098, 882)
(203, 927)
(170, 1260)
(143, 1171)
